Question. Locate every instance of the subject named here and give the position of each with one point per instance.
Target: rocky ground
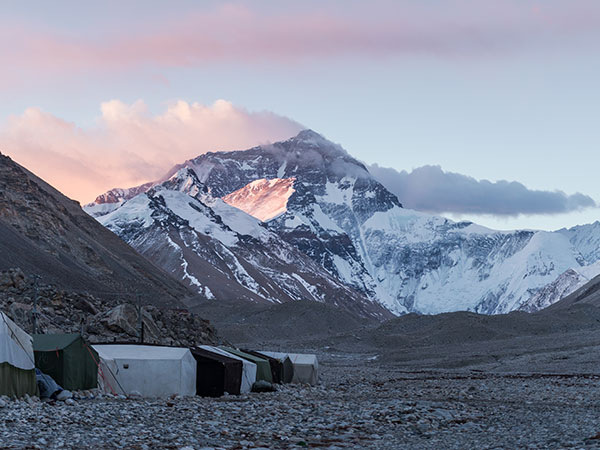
(358, 404)
(114, 319)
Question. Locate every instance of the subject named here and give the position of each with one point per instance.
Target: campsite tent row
(148, 370)
(155, 371)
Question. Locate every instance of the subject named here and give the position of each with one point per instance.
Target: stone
(263, 386)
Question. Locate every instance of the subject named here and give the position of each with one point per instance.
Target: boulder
(124, 319)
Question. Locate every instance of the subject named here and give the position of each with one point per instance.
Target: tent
(150, 370)
(67, 359)
(282, 368)
(263, 368)
(306, 366)
(216, 374)
(17, 369)
(248, 368)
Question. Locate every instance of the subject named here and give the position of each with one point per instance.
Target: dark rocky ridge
(87, 278)
(45, 233)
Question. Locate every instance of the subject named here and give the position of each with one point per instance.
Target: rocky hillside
(44, 233)
(98, 319)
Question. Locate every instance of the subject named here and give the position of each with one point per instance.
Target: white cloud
(129, 145)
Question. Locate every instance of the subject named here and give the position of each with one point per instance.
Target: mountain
(221, 251)
(46, 234)
(317, 199)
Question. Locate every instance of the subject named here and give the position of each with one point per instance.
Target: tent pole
(35, 299)
(140, 322)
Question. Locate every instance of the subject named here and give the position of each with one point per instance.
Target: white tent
(152, 371)
(248, 368)
(306, 366)
(17, 366)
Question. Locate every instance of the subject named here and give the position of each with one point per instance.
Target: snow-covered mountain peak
(309, 138)
(264, 199)
(185, 180)
(307, 195)
(118, 195)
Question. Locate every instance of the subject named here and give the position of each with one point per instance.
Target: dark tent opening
(282, 369)
(67, 359)
(216, 374)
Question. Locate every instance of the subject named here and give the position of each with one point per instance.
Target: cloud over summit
(432, 190)
(129, 145)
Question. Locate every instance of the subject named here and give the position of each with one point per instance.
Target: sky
(485, 110)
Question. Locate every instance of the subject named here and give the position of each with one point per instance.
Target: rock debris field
(359, 404)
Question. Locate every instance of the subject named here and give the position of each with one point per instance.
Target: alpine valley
(303, 220)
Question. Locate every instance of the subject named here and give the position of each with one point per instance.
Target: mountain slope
(567, 283)
(45, 233)
(221, 251)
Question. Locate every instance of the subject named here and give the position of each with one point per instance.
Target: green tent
(67, 359)
(263, 368)
(17, 372)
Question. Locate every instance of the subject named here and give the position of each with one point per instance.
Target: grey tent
(306, 366)
(17, 370)
(152, 371)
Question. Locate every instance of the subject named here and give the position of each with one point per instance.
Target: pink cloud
(237, 33)
(129, 145)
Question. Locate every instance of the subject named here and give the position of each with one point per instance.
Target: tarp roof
(213, 355)
(297, 358)
(51, 342)
(15, 345)
(263, 368)
(132, 351)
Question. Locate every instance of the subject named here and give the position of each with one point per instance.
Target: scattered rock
(263, 386)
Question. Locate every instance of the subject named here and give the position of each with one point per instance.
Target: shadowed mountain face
(45, 233)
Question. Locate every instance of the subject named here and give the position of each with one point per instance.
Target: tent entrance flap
(216, 374)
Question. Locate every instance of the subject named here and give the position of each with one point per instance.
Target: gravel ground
(359, 404)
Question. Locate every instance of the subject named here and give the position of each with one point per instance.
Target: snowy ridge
(220, 250)
(567, 283)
